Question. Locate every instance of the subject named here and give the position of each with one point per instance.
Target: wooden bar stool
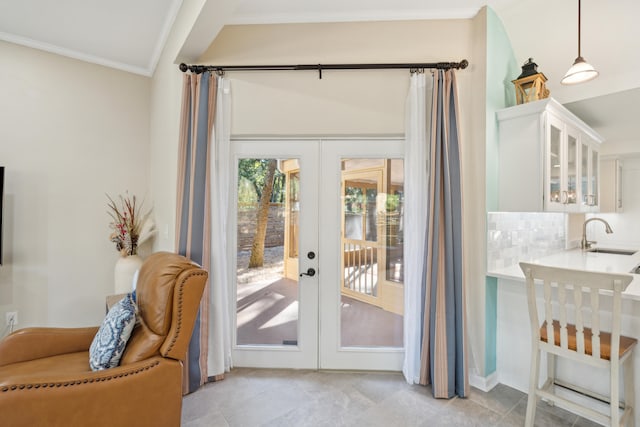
(575, 328)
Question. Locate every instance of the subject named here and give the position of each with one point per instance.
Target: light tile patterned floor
(270, 397)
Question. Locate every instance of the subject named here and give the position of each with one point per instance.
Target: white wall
(363, 102)
(602, 29)
(620, 148)
(72, 131)
(69, 133)
(625, 225)
(166, 97)
(343, 102)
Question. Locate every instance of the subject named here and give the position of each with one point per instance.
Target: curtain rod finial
(183, 67)
(464, 64)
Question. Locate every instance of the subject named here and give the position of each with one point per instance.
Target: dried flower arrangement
(130, 228)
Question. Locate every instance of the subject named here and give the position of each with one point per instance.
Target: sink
(613, 251)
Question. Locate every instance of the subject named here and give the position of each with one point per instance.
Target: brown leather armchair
(45, 379)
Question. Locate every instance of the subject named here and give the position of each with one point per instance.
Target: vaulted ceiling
(129, 35)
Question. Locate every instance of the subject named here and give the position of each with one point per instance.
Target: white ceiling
(125, 34)
(283, 11)
(130, 34)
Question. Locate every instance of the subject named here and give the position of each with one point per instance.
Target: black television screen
(1, 198)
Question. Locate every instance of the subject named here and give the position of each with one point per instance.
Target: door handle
(310, 272)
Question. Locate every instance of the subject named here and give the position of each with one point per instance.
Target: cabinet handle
(565, 198)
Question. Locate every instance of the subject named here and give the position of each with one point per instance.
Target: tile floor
(270, 397)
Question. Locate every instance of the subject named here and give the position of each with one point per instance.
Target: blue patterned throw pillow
(109, 343)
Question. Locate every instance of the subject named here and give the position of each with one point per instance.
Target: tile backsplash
(523, 236)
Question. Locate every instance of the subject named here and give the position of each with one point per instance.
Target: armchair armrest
(35, 343)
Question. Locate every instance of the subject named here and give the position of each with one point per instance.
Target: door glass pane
(372, 215)
(267, 251)
(554, 171)
(394, 208)
(293, 208)
(572, 169)
(353, 211)
(371, 286)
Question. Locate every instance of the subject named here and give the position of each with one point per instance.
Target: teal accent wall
(502, 67)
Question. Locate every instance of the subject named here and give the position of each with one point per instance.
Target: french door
(321, 286)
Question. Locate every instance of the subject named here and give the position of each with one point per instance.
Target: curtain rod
(220, 69)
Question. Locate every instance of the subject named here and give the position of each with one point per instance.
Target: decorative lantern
(530, 84)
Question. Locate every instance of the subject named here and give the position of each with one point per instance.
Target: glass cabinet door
(589, 175)
(571, 198)
(584, 175)
(555, 165)
(570, 180)
(556, 177)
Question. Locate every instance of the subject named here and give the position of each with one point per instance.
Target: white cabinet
(548, 161)
(561, 178)
(611, 185)
(589, 175)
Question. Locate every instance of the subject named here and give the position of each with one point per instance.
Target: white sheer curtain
(219, 360)
(417, 130)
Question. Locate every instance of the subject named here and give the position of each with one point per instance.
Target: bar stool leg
(551, 373)
(532, 400)
(629, 388)
(614, 404)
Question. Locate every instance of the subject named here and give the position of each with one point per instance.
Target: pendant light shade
(581, 71)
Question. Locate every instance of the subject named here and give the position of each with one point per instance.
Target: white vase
(126, 269)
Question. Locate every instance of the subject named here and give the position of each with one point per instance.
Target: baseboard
(484, 383)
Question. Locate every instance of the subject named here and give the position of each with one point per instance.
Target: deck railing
(360, 267)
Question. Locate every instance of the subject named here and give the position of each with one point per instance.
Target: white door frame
(319, 331)
(305, 354)
(332, 356)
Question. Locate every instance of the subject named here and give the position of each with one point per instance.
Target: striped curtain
(193, 217)
(443, 358)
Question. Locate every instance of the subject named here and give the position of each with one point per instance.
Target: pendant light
(581, 71)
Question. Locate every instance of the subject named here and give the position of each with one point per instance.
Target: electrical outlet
(12, 318)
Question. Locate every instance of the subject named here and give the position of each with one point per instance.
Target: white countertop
(582, 260)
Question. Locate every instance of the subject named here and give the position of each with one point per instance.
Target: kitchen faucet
(586, 244)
